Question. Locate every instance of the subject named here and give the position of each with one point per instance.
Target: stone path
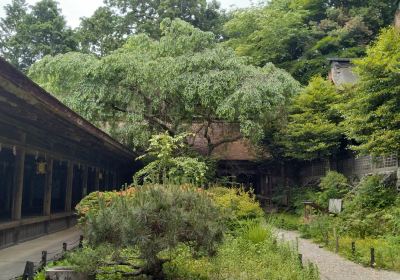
(331, 265)
(13, 259)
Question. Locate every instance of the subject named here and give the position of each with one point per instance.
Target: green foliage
(256, 233)
(158, 218)
(369, 206)
(240, 258)
(238, 204)
(333, 185)
(152, 86)
(313, 130)
(288, 221)
(299, 35)
(166, 166)
(28, 34)
(102, 33)
(141, 18)
(372, 115)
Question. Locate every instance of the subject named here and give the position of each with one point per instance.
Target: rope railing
(31, 268)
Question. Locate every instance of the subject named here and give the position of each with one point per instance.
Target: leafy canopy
(167, 165)
(372, 116)
(298, 35)
(314, 130)
(150, 86)
(28, 34)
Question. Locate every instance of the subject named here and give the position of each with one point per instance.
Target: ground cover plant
(370, 219)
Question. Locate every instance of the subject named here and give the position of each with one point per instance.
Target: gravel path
(333, 266)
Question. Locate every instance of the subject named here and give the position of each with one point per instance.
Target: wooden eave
(25, 105)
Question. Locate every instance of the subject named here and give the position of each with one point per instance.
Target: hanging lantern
(41, 168)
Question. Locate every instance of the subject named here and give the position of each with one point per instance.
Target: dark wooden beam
(18, 183)
(68, 194)
(48, 188)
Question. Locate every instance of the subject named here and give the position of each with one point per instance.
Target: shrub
(167, 165)
(238, 204)
(240, 258)
(91, 204)
(158, 218)
(333, 185)
(367, 210)
(256, 233)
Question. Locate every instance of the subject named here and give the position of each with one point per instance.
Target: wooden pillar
(114, 182)
(68, 193)
(97, 179)
(18, 183)
(84, 181)
(48, 187)
(106, 180)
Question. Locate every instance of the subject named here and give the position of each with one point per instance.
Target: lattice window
(385, 161)
(363, 164)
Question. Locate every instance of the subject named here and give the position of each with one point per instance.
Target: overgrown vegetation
(182, 232)
(370, 218)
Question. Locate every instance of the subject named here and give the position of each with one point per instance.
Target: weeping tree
(150, 86)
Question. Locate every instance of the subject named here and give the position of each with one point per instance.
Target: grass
(387, 249)
(286, 221)
(239, 257)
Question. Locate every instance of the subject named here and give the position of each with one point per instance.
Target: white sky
(73, 10)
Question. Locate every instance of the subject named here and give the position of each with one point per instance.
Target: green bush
(333, 185)
(240, 205)
(240, 258)
(157, 218)
(369, 210)
(288, 221)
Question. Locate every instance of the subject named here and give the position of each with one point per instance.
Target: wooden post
(336, 240)
(68, 193)
(47, 188)
(97, 179)
(80, 241)
(44, 259)
(301, 260)
(84, 181)
(18, 183)
(114, 182)
(372, 257)
(29, 271)
(106, 180)
(353, 248)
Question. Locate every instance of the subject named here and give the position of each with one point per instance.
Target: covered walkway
(13, 259)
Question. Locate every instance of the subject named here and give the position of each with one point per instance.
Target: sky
(73, 10)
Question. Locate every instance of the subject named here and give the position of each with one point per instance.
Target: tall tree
(298, 35)
(103, 32)
(29, 34)
(146, 16)
(169, 84)
(314, 129)
(373, 115)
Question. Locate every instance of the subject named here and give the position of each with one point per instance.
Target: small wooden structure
(50, 157)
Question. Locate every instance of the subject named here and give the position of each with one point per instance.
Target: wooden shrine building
(50, 157)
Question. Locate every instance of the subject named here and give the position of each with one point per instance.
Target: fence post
(301, 259)
(372, 257)
(44, 258)
(28, 271)
(64, 247)
(336, 241)
(353, 248)
(81, 241)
